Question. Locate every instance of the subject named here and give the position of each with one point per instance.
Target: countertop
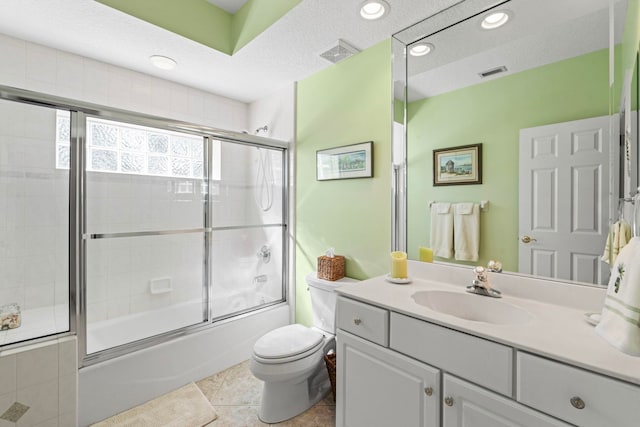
(556, 331)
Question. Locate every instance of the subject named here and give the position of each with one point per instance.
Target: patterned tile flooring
(235, 394)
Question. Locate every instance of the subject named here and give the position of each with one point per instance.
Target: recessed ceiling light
(374, 9)
(421, 49)
(163, 62)
(495, 19)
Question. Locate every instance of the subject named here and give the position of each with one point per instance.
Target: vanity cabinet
(396, 370)
(378, 387)
(466, 404)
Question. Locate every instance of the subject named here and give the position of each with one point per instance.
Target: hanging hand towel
(466, 231)
(620, 321)
(442, 230)
(619, 236)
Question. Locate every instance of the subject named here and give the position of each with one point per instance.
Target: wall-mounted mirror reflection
(541, 85)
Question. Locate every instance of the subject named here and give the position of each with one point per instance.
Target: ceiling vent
(493, 71)
(341, 51)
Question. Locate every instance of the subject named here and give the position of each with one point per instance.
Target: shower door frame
(78, 238)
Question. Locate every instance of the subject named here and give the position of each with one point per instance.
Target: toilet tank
(323, 301)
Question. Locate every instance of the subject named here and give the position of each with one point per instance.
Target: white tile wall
(44, 377)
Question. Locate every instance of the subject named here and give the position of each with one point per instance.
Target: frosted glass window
(104, 136)
(63, 158)
(181, 147)
(158, 143)
(197, 149)
(104, 160)
(180, 167)
(118, 147)
(197, 169)
(131, 139)
(158, 165)
(133, 162)
(63, 127)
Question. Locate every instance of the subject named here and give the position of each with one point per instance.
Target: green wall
(206, 23)
(492, 113)
(347, 103)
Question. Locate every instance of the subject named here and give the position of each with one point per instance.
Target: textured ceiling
(287, 51)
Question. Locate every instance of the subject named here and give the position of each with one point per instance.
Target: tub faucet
(480, 285)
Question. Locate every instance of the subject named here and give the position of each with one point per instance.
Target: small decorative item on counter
(425, 254)
(10, 316)
(399, 265)
(330, 266)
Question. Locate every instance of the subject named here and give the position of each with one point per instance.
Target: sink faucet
(480, 285)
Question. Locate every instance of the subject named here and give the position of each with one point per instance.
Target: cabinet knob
(448, 401)
(577, 402)
(356, 321)
(428, 391)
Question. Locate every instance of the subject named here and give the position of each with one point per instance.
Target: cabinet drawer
(483, 362)
(551, 386)
(363, 320)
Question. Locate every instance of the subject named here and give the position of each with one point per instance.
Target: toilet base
(284, 400)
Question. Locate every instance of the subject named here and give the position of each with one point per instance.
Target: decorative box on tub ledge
(331, 268)
(9, 316)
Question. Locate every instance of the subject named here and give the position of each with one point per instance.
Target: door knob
(527, 239)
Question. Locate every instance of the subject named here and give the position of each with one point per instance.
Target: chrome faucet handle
(481, 275)
(495, 266)
(481, 286)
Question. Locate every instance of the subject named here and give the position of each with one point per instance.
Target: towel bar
(484, 204)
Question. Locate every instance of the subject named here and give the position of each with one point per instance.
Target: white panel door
(564, 199)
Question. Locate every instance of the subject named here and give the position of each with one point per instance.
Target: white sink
(472, 307)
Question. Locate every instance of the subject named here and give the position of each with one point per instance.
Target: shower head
(264, 128)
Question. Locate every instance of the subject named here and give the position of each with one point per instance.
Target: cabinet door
(465, 404)
(377, 387)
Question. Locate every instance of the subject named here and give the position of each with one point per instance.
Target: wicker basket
(330, 360)
(331, 268)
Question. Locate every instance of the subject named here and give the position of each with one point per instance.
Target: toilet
(290, 359)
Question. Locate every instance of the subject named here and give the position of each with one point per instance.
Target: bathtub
(112, 386)
(110, 333)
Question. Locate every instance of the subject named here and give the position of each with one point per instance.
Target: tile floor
(235, 395)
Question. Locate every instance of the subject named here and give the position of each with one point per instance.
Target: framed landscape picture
(458, 165)
(348, 161)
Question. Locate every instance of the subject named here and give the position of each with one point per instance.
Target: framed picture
(458, 165)
(348, 161)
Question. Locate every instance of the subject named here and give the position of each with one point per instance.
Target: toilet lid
(287, 341)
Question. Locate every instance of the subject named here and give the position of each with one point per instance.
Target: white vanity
(408, 355)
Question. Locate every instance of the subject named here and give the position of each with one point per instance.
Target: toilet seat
(287, 344)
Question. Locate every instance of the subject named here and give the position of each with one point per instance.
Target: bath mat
(185, 407)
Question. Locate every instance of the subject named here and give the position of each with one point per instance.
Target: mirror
(545, 96)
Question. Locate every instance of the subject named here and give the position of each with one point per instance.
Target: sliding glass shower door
(145, 197)
(248, 218)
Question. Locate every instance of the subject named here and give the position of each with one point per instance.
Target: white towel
(466, 231)
(442, 230)
(620, 235)
(620, 321)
